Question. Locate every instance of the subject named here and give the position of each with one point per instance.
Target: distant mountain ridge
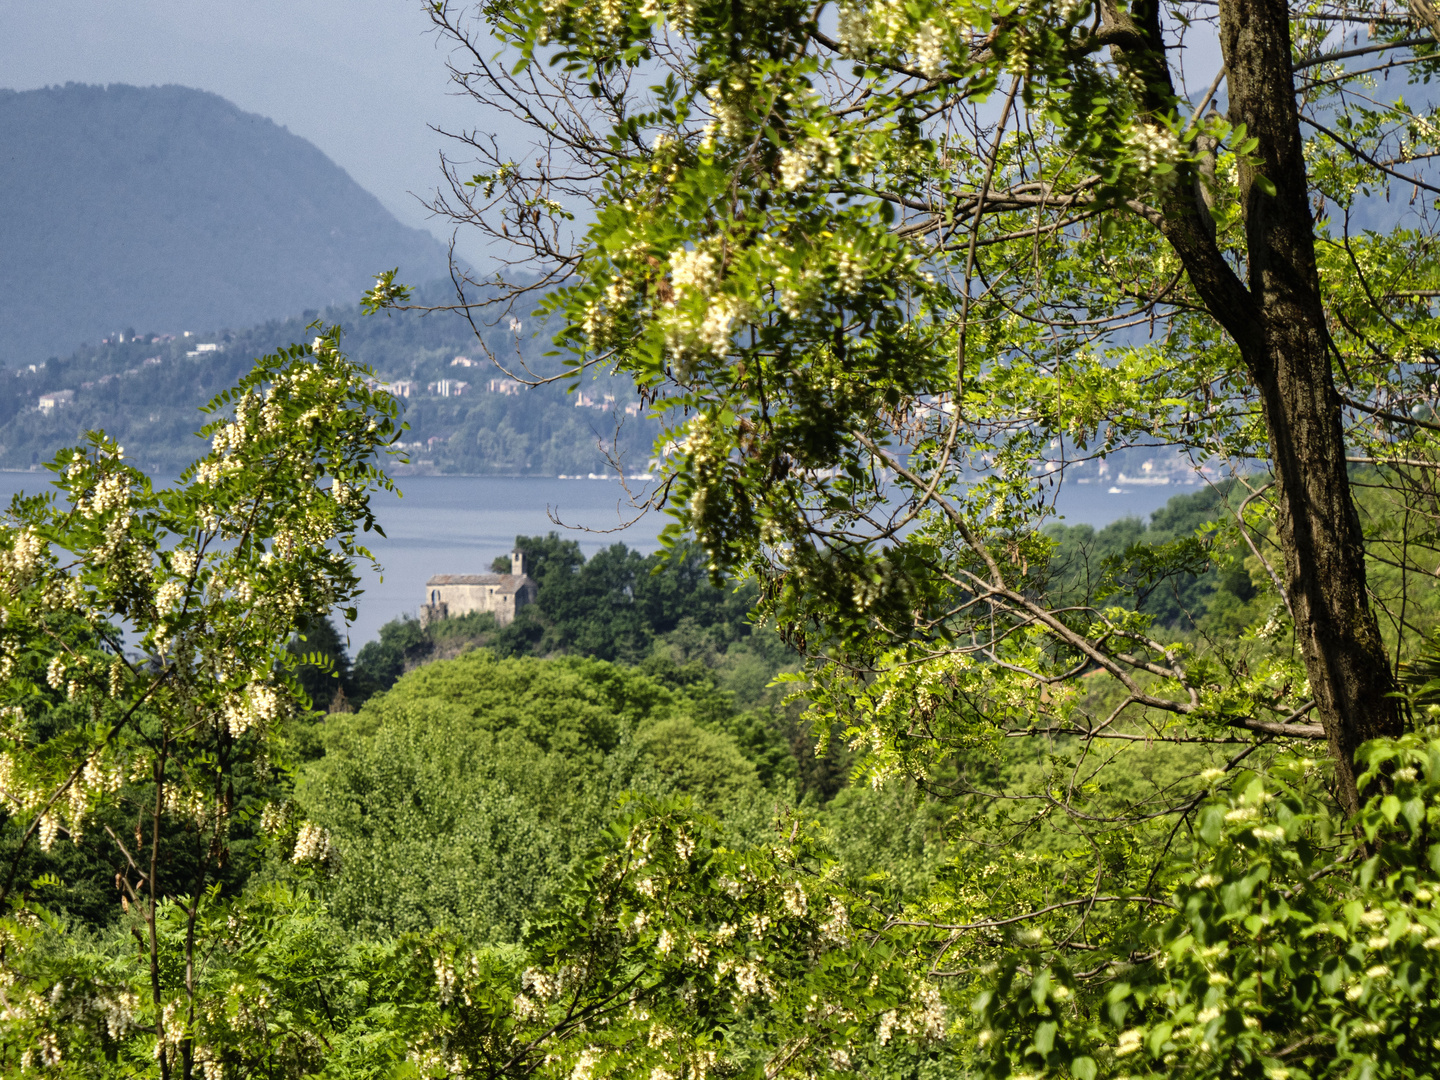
(167, 208)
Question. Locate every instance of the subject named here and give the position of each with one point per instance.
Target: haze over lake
(458, 524)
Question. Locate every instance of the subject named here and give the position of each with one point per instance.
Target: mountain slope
(165, 209)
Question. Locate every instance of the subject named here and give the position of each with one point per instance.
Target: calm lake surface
(458, 524)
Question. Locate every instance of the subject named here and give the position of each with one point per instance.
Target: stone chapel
(449, 595)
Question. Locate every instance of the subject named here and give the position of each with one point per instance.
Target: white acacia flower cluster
(444, 975)
(585, 1064)
(728, 107)
(925, 1018)
(96, 778)
(795, 900)
(820, 153)
(1150, 147)
(55, 673)
(15, 793)
(190, 804)
(681, 13)
(692, 270)
(836, 928)
(696, 271)
(929, 50)
(699, 442)
(170, 597)
(684, 846)
(256, 707)
(794, 167)
(853, 27)
(274, 817)
(95, 781)
(315, 846)
(49, 829)
(888, 24)
(183, 561)
(750, 978)
(22, 560)
(211, 1067)
(612, 14)
(234, 434)
(719, 324)
(850, 270)
(118, 1011)
(12, 723)
(9, 653)
(111, 493)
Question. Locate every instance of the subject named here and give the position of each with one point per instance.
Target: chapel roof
(506, 583)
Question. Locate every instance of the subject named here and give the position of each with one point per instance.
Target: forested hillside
(166, 209)
(145, 388)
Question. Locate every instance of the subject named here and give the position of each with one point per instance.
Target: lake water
(458, 524)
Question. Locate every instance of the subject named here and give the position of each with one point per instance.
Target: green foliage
(1288, 947)
(671, 951)
(496, 776)
(323, 669)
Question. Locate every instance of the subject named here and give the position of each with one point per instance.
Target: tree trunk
(1278, 322)
(1289, 360)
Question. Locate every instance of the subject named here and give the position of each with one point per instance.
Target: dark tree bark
(1290, 362)
(1278, 322)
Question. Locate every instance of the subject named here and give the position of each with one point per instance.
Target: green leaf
(1045, 1037)
(1390, 807)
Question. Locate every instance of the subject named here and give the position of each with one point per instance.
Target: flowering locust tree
(144, 687)
(891, 270)
(897, 267)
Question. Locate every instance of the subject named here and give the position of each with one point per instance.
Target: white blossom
(23, 557)
(444, 971)
(795, 901)
(834, 928)
(256, 708)
(850, 270)
(929, 50)
(49, 829)
(794, 167)
(1152, 146)
(854, 28)
(1129, 1041)
(584, 1064)
(692, 269)
(719, 321)
(314, 845)
(170, 597)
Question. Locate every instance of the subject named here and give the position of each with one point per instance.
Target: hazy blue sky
(359, 78)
